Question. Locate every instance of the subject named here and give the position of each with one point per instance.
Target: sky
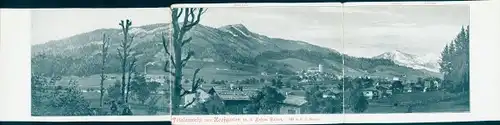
(368, 30)
(316, 25)
(54, 24)
(420, 30)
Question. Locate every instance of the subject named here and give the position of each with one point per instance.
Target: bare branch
(123, 26)
(134, 60)
(175, 20)
(195, 84)
(185, 92)
(186, 16)
(194, 21)
(165, 43)
(185, 60)
(186, 41)
(129, 23)
(119, 53)
(128, 52)
(179, 13)
(172, 60)
(191, 14)
(203, 10)
(122, 45)
(166, 69)
(131, 40)
(190, 103)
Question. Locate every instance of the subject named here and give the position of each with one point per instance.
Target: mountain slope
(230, 50)
(410, 60)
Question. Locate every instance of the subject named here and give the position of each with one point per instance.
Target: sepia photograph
(256, 60)
(406, 58)
(99, 62)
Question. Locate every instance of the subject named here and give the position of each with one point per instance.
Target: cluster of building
(382, 89)
(236, 98)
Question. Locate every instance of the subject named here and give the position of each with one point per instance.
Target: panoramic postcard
(256, 60)
(406, 58)
(96, 62)
(250, 60)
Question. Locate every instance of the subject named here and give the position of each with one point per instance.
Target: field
(93, 82)
(458, 103)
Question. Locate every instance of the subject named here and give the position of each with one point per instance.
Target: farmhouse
(370, 92)
(333, 93)
(293, 105)
(235, 101)
(200, 96)
(315, 69)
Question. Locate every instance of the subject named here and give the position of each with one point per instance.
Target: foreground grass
(458, 103)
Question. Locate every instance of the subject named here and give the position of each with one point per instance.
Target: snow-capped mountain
(427, 62)
(233, 47)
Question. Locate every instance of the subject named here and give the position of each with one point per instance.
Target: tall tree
(190, 18)
(131, 69)
(444, 63)
(124, 53)
(104, 52)
(455, 61)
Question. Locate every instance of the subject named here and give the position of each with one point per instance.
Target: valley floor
(455, 105)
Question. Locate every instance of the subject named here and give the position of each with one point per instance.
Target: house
(293, 105)
(408, 89)
(436, 83)
(235, 102)
(199, 97)
(318, 69)
(434, 86)
(333, 93)
(208, 60)
(397, 86)
(418, 88)
(370, 92)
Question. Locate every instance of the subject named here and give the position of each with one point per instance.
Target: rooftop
(295, 100)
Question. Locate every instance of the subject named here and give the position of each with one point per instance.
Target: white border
(220, 5)
(251, 119)
(15, 32)
(419, 3)
(15, 64)
(15, 72)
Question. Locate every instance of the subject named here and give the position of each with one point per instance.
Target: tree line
(455, 62)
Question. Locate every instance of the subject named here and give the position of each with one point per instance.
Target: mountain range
(427, 62)
(231, 52)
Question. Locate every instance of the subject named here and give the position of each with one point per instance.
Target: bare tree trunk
(128, 86)
(105, 47)
(177, 81)
(130, 71)
(124, 54)
(190, 19)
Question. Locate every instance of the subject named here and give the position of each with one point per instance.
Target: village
(234, 97)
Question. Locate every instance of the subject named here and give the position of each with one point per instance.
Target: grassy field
(93, 82)
(455, 104)
(136, 107)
